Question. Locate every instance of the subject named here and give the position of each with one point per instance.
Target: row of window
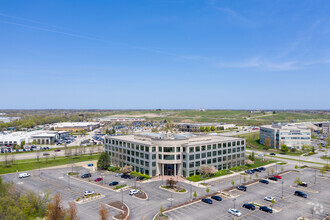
(130, 145)
(212, 161)
(218, 167)
(215, 146)
(295, 138)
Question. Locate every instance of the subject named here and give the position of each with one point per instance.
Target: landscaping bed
(141, 195)
(121, 206)
(175, 189)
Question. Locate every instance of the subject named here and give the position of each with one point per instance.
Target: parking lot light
(282, 188)
(234, 202)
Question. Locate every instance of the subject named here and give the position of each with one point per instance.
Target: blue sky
(165, 54)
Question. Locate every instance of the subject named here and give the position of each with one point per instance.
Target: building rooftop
(75, 124)
(286, 126)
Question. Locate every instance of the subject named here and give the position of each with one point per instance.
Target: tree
(33, 142)
(250, 177)
(71, 212)
(272, 202)
(307, 148)
(256, 175)
(202, 129)
(161, 210)
(195, 194)
(206, 170)
(296, 167)
(104, 161)
(126, 169)
(22, 144)
(320, 147)
(55, 210)
(272, 171)
(171, 183)
(103, 212)
(244, 179)
(297, 181)
(212, 128)
(284, 148)
(232, 183)
(207, 190)
(251, 156)
(207, 129)
(267, 142)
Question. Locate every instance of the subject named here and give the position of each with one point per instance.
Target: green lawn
(197, 178)
(31, 164)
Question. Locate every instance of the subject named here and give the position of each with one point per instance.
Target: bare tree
(171, 183)
(126, 169)
(55, 210)
(103, 212)
(71, 212)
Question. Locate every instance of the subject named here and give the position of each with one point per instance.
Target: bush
(134, 173)
(182, 190)
(113, 169)
(120, 186)
(77, 199)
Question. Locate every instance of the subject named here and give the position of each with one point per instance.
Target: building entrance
(169, 169)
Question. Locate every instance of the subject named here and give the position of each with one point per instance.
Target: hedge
(134, 173)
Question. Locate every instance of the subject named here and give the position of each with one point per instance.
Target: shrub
(77, 199)
(182, 190)
(113, 169)
(134, 173)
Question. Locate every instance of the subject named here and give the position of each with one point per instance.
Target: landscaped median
(123, 208)
(89, 198)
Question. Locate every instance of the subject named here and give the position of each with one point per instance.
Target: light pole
(234, 202)
(240, 179)
(315, 177)
(190, 190)
(282, 188)
(68, 180)
(122, 203)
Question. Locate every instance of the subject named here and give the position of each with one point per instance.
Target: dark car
(303, 184)
(140, 178)
(249, 206)
(86, 175)
(98, 179)
(265, 209)
(113, 183)
(218, 198)
(264, 181)
(262, 168)
(273, 178)
(273, 154)
(125, 176)
(248, 171)
(209, 201)
(257, 170)
(243, 188)
(301, 194)
(252, 171)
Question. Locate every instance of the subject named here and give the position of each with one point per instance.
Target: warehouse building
(182, 154)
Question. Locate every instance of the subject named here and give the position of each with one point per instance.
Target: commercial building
(278, 134)
(75, 126)
(195, 127)
(182, 154)
(324, 126)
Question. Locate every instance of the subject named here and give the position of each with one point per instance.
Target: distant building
(324, 126)
(195, 127)
(183, 154)
(293, 136)
(119, 119)
(75, 126)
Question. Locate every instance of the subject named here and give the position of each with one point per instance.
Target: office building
(278, 134)
(196, 127)
(182, 154)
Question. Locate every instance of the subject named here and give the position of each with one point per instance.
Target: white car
(235, 212)
(269, 198)
(23, 175)
(118, 174)
(134, 191)
(86, 193)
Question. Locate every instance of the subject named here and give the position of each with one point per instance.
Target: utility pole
(315, 177)
(282, 188)
(68, 180)
(190, 191)
(234, 202)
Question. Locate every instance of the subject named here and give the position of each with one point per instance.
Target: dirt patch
(141, 195)
(121, 206)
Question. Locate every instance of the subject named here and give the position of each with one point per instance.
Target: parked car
(278, 177)
(90, 164)
(113, 183)
(243, 188)
(265, 209)
(269, 198)
(257, 170)
(303, 184)
(273, 154)
(86, 193)
(86, 175)
(249, 206)
(125, 176)
(140, 178)
(248, 171)
(118, 174)
(252, 171)
(301, 194)
(264, 181)
(272, 178)
(208, 201)
(234, 212)
(45, 154)
(57, 150)
(23, 175)
(98, 179)
(262, 168)
(134, 191)
(218, 198)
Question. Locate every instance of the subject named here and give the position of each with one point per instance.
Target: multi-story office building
(195, 127)
(293, 136)
(183, 154)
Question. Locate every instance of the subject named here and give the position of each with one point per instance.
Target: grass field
(239, 117)
(31, 164)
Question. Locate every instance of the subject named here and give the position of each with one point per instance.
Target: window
(209, 161)
(153, 164)
(146, 156)
(214, 160)
(132, 146)
(219, 152)
(203, 162)
(224, 151)
(214, 146)
(234, 150)
(209, 154)
(229, 144)
(219, 159)
(191, 164)
(142, 148)
(234, 144)
(128, 159)
(224, 145)
(229, 151)
(128, 152)
(168, 157)
(198, 156)
(137, 154)
(203, 155)
(132, 153)
(137, 161)
(159, 156)
(197, 163)
(178, 157)
(137, 147)
(142, 155)
(177, 149)
(184, 149)
(128, 145)
(160, 149)
(153, 149)
(191, 149)
(132, 160)
(214, 153)
(208, 147)
(147, 148)
(168, 149)
(191, 157)
(203, 148)
(141, 162)
(184, 164)
(238, 143)
(154, 156)
(224, 159)
(198, 149)
(219, 145)
(229, 157)
(183, 156)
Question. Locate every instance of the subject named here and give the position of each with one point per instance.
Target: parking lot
(288, 207)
